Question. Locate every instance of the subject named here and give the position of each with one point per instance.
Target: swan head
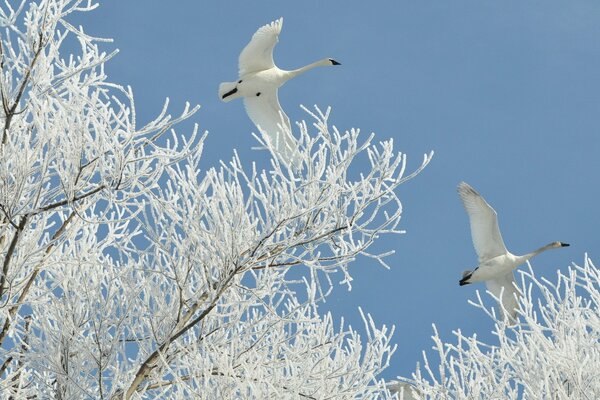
(561, 244)
(333, 62)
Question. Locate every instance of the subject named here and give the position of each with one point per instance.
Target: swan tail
(228, 91)
(466, 275)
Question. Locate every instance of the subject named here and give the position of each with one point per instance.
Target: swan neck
(523, 259)
(296, 72)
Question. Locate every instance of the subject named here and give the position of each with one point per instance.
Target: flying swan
(496, 263)
(258, 83)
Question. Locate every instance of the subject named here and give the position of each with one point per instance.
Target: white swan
(496, 263)
(405, 390)
(258, 83)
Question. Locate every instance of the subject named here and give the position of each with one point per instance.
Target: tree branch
(10, 252)
(67, 201)
(15, 307)
(11, 112)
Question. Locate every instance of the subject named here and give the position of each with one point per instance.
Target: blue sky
(506, 93)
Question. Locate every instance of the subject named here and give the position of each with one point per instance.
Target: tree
(127, 272)
(551, 353)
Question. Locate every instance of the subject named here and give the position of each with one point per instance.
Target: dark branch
(10, 252)
(66, 201)
(11, 112)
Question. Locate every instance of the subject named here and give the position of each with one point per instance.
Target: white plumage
(496, 263)
(258, 54)
(258, 84)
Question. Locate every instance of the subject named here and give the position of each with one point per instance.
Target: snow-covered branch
(551, 353)
(130, 271)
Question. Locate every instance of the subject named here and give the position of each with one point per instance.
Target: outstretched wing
(274, 124)
(258, 54)
(509, 300)
(485, 232)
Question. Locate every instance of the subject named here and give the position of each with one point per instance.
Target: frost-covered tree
(130, 272)
(552, 352)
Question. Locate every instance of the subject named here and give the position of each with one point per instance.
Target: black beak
(232, 91)
(564, 244)
(333, 62)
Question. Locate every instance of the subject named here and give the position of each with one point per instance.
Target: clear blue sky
(506, 93)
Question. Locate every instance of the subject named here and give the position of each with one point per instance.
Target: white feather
(508, 295)
(274, 124)
(258, 53)
(483, 219)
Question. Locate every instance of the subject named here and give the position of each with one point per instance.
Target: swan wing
(485, 232)
(258, 54)
(272, 122)
(509, 300)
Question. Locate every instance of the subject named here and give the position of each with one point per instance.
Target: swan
(259, 80)
(496, 263)
(405, 390)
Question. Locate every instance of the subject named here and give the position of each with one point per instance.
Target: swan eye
(240, 81)
(257, 94)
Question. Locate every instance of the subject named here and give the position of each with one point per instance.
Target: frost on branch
(552, 353)
(128, 271)
(225, 243)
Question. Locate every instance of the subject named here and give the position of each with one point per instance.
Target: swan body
(258, 84)
(496, 263)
